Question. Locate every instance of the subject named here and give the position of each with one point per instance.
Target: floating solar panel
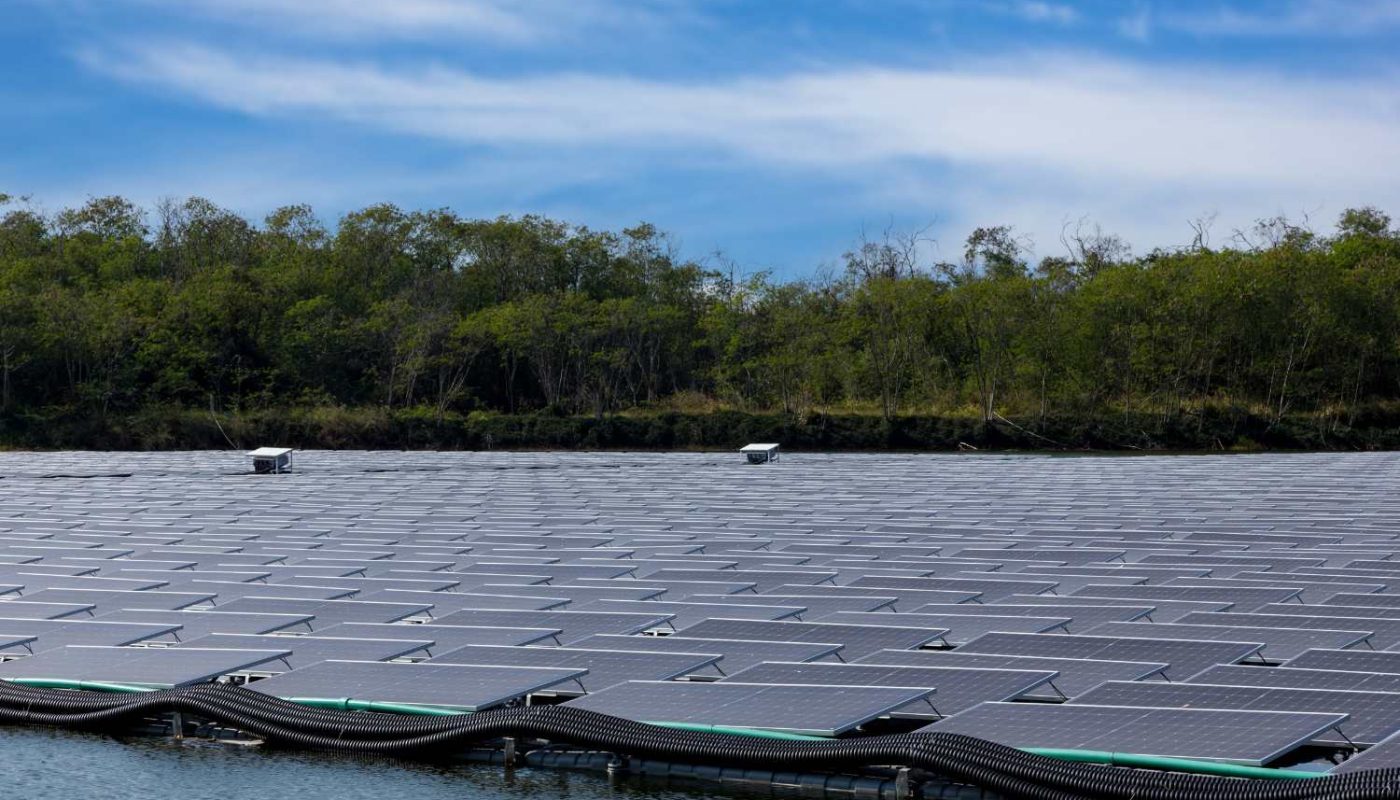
(1353, 660)
(220, 557)
(1372, 716)
(1251, 561)
(1381, 632)
(470, 581)
(57, 633)
(1308, 591)
(1386, 600)
(325, 612)
(106, 600)
(372, 584)
(1243, 598)
(1319, 583)
(605, 667)
(1162, 610)
(155, 667)
(1077, 618)
(1298, 678)
(814, 606)
(857, 640)
(1280, 644)
(34, 581)
(762, 579)
(958, 688)
(811, 710)
(736, 654)
(1184, 658)
(286, 573)
(960, 628)
(560, 573)
(229, 591)
(680, 590)
(306, 650)
(527, 598)
(580, 594)
(1075, 675)
(1314, 610)
(1243, 737)
(684, 613)
(21, 609)
(1064, 584)
(444, 637)
(1146, 573)
(988, 589)
(1382, 755)
(573, 625)
(1378, 564)
(454, 686)
(903, 597)
(193, 624)
(182, 577)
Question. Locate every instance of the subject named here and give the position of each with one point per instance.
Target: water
(45, 764)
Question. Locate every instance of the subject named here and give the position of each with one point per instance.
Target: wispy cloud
(1078, 118)
(509, 21)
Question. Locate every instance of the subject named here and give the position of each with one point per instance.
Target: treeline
(112, 312)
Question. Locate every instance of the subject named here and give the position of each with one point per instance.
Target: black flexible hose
(1007, 771)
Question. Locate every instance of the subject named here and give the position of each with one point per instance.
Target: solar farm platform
(1241, 608)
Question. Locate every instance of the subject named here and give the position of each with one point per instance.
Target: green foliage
(424, 328)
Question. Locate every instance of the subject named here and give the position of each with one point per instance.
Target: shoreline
(375, 428)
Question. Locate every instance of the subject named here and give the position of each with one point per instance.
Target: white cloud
(1031, 142)
(1082, 118)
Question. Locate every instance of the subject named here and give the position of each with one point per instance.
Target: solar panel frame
(735, 654)
(1185, 658)
(957, 688)
(790, 709)
(156, 667)
(961, 628)
(305, 650)
(1244, 598)
(1196, 734)
(1382, 755)
(1371, 716)
(857, 639)
(51, 633)
(444, 636)
(1076, 675)
(1280, 644)
(573, 625)
(325, 612)
(605, 667)
(421, 684)
(1299, 678)
(1349, 660)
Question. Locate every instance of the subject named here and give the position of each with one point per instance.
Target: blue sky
(775, 132)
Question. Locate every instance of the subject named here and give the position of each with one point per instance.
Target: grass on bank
(700, 426)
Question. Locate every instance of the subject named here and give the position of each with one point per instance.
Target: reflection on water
(45, 764)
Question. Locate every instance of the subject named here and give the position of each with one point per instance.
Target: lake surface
(45, 764)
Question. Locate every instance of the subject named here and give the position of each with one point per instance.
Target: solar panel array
(816, 595)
